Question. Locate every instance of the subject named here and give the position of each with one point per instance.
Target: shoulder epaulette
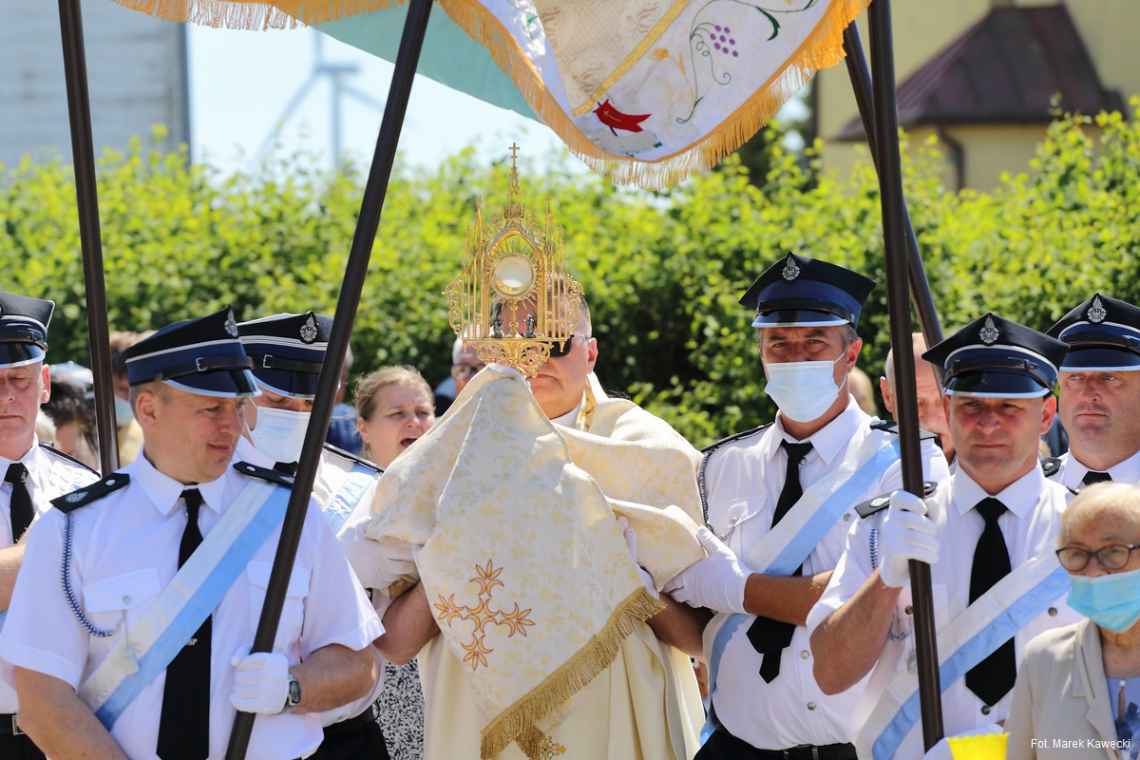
(879, 503)
(734, 437)
(1050, 466)
(888, 426)
(56, 452)
(264, 473)
(354, 457)
(707, 452)
(70, 502)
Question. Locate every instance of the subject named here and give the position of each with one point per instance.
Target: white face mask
(123, 412)
(280, 433)
(802, 390)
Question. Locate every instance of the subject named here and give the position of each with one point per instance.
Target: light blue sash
(200, 605)
(803, 543)
(975, 649)
(344, 501)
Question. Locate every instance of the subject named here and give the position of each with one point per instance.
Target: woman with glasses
(1078, 690)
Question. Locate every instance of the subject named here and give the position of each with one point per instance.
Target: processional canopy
(514, 299)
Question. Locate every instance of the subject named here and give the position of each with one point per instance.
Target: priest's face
(560, 383)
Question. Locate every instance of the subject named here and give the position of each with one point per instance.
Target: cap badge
(1097, 312)
(791, 271)
(309, 330)
(989, 332)
(231, 326)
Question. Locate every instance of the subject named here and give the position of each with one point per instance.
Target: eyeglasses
(466, 370)
(558, 350)
(1112, 557)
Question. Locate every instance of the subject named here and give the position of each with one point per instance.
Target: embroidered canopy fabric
(522, 559)
(645, 90)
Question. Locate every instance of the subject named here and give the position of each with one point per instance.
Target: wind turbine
(338, 75)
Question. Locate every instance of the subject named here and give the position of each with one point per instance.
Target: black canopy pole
(87, 201)
(407, 59)
(919, 287)
(906, 405)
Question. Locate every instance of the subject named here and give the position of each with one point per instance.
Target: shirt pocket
(120, 599)
(292, 613)
(730, 525)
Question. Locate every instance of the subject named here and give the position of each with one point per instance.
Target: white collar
(1126, 471)
(1019, 497)
(830, 441)
(34, 461)
(164, 491)
(570, 418)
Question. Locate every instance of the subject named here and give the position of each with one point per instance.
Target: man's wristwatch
(294, 697)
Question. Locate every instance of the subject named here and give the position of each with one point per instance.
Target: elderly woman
(1078, 690)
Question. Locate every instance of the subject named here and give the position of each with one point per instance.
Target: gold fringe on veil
(517, 722)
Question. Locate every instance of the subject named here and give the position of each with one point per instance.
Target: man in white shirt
(1100, 393)
(782, 498)
(288, 351)
(988, 534)
(112, 659)
(31, 473)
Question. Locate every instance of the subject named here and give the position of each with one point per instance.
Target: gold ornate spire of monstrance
(514, 298)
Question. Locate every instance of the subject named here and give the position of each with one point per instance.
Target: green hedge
(663, 271)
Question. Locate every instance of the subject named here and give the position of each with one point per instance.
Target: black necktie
(20, 509)
(1092, 476)
(770, 637)
(991, 678)
(184, 729)
(286, 468)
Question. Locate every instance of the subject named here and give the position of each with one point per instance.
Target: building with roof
(984, 77)
(137, 77)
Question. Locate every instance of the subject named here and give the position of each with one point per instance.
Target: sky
(242, 83)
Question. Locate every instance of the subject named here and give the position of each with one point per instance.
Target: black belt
(351, 725)
(738, 749)
(8, 726)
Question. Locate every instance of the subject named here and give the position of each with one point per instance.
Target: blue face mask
(1111, 601)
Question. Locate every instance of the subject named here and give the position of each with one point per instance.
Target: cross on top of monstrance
(514, 298)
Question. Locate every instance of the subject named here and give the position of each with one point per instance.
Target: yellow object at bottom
(984, 747)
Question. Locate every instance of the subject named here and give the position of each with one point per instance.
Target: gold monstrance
(514, 299)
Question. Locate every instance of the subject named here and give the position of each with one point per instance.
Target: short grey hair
(1100, 499)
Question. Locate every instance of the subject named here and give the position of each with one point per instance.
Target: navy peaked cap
(995, 357)
(202, 356)
(802, 292)
(288, 351)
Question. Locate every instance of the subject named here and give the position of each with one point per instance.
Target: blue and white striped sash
(980, 629)
(140, 652)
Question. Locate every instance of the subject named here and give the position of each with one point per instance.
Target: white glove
(631, 544)
(261, 682)
(906, 534)
(716, 582)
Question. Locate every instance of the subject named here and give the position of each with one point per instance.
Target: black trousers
(357, 738)
(19, 748)
(724, 746)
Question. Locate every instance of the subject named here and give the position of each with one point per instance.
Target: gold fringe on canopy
(517, 722)
(821, 49)
(255, 14)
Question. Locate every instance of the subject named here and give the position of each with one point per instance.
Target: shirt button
(811, 705)
(804, 654)
(909, 610)
(1052, 612)
(986, 709)
(126, 600)
(846, 517)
